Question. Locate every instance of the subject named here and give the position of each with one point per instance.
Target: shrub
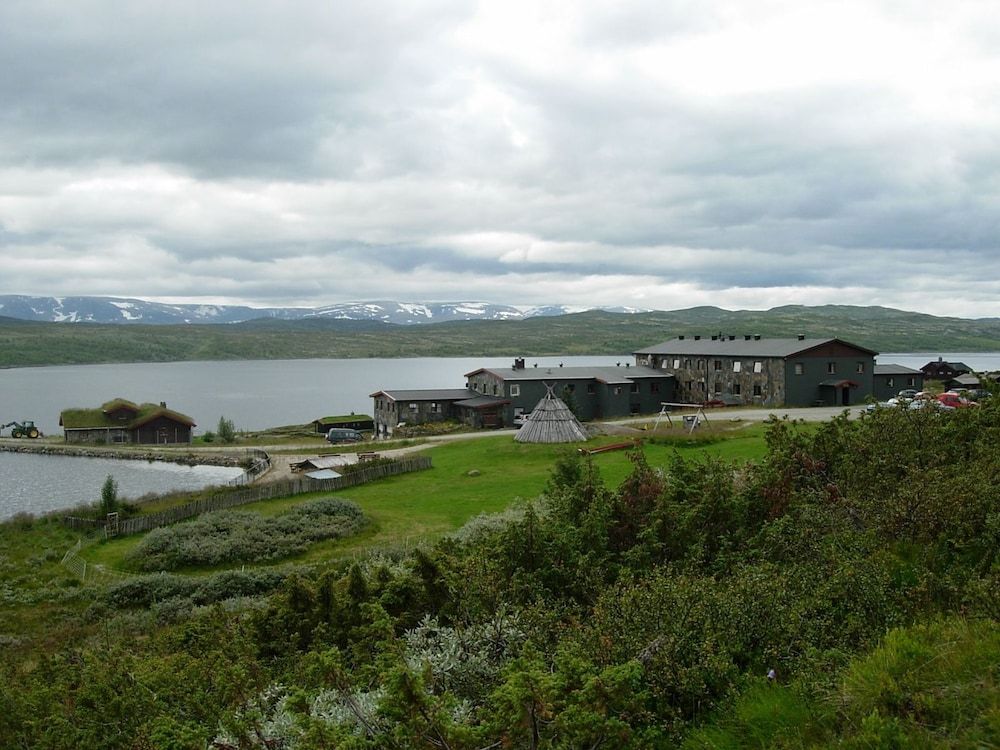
(231, 536)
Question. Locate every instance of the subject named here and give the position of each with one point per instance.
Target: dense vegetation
(229, 536)
(859, 561)
(881, 329)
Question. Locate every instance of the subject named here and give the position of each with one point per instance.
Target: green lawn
(470, 477)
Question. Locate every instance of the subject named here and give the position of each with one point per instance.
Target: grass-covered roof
(99, 418)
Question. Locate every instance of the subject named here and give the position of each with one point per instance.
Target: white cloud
(660, 154)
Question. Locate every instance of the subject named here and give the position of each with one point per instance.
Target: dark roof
(429, 394)
(939, 364)
(482, 402)
(84, 419)
(889, 369)
(609, 374)
(740, 347)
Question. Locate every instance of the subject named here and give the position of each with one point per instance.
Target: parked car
(907, 393)
(955, 401)
(521, 419)
(343, 435)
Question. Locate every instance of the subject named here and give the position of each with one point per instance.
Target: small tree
(226, 430)
(109, 495)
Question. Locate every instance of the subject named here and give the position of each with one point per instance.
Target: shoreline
(235, 458)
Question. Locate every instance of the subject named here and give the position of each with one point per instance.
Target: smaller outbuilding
(359, 422)
(891, 379)
(121, 421)
(414, 407)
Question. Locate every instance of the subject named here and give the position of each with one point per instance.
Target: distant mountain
(592, 332)
(125, 310)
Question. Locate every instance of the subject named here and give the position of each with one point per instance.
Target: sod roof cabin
(124, 422)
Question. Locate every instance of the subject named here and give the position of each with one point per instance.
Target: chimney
(681, 337)
(747, 337)
(732, 338)
(163, 404)
(714, 337)
(518, 363)
(627, 365)
(756, 337)
(697, 337)
(802, 337)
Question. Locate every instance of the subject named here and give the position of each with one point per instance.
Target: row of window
(654, 387)
(831, 368)
(758, 366)
(735, 388)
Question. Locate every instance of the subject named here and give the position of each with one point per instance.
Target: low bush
(231, 536)
(145, 591)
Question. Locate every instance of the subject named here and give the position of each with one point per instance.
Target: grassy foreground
(471, 477)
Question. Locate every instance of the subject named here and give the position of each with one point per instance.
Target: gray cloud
(656, 154)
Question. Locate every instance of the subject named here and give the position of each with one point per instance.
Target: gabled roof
(890, 369)
(482, 402)
(741, 347)
(84, 419)
(429, 394)
(610, 374)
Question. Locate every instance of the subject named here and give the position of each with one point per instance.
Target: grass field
(470, 477)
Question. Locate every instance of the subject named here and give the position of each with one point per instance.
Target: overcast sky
(659, 155)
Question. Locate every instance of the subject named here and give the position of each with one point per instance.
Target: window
(737, 366)
(718, 386)
(413, 407)
(435, 407)
(717, 365)
(677, 364)
(618, 390)
(736, 389)
(756, 390)
(799, 368)
(687, 363)
(515, 390)
(831, 368)
(758, 366)
(860, 368)
(591, 388)
(663, 364)
(701, 364)
(890, 382)
(633, 388)
(701, 385)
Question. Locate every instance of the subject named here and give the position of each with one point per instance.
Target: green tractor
(25, 429)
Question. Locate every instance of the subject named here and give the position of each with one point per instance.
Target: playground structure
(25, 429)
(691, 421)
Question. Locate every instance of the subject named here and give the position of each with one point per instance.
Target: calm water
(38, 484)
(254, 394)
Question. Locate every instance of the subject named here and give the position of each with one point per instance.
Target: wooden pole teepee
(551, 422)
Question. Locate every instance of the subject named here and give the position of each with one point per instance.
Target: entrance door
(845, 396)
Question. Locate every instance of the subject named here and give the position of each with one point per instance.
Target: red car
(954, 401)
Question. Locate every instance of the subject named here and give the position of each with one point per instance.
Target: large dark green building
(766, 372)
(592, 392)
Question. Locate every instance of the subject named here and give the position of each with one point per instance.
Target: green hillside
(879, 328)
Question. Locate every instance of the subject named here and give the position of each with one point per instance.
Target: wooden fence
(258, 462)
(255, 493)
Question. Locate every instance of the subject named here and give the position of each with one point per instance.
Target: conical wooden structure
(551, 422)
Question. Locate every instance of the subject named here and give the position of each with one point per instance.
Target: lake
(255, 394)
(39, 484)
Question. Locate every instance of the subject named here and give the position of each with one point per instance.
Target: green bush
(233, 536)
